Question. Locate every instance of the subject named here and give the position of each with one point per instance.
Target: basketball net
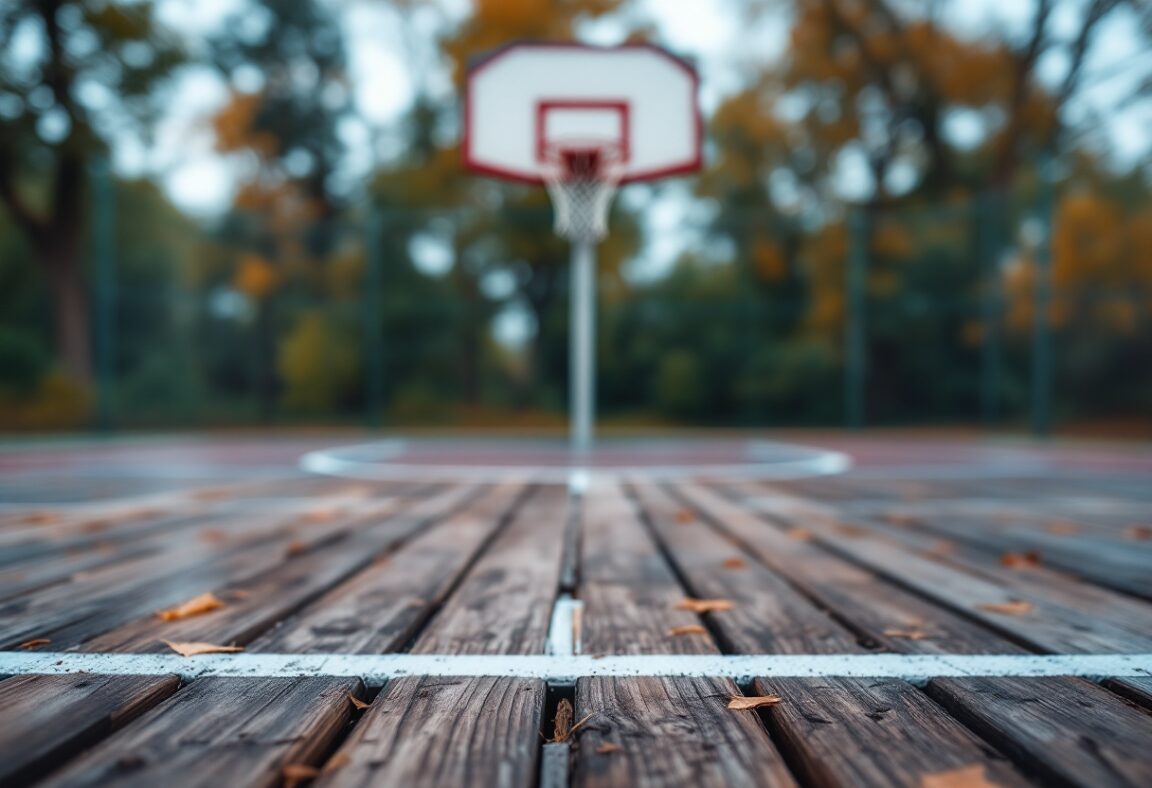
(582, 179)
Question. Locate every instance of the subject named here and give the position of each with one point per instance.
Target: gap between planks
(375, 669)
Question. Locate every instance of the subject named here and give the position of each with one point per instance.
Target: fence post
(1041, 327)
(988, 215)
(855, 327)
(104, 271)
(373, 319)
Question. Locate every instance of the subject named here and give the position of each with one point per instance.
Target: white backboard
(528, 97)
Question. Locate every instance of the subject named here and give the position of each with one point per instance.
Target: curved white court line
(386, 464)
(377, 668)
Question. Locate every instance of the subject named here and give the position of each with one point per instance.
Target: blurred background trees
(357, 273)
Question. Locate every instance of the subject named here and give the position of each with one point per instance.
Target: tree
(69, 72)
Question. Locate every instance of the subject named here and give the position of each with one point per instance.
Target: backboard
(529, 102)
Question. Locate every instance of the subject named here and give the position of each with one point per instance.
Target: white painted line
(563, 630)
(376, 668)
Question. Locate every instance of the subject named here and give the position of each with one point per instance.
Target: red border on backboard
(544, 107)
(698, 121)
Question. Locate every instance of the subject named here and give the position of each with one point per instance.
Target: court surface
(946, 611)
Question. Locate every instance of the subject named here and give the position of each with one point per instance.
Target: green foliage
(317, 365)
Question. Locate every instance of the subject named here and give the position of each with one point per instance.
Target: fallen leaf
(213, 536)
(296, 773)
(899, 518)
(1063, 527)
(690, 629)
(846, 529)
(1020, 560)
(210, 495)
(1138, 533)
(907, 634)
(41, 518)
(197, 606)
(800, 534)
(684, 516)
(704, 605)
(562, 723)
(359, 704)
(745, 702)
(337, 761)
(35, 643)
(942, 547)
(321, 515)
(295, 547)
(192, 649)
(734, 563)
(607, 747)
(1016, 607)
(964, 777)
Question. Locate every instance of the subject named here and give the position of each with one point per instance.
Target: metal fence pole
(1041, 328)
(855, 333)
(104, 271)
(988, 250)
(582, 353)
(373, 318)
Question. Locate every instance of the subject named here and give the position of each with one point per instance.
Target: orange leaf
(359, 704)
(607, 747)
(1063, 527)
(1016, 607)
(295, 547)
(800, 534)
(28, 645)
(197, 606)
(907, 634)
(1020, 560)
(735, 563)
(296, 773)
(745, 702)
(213, 536)
(192, 649)
(1138, 533)
(40, 518)
(690, 629)
(703, 605)
(965, 777)
(684, 516)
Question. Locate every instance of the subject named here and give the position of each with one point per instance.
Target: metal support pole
(104, 269)
(373, 318)
(988, 213)
(582, 347)
(855, 332)
(1041, 330)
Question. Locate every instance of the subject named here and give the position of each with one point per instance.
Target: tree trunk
(70, 308)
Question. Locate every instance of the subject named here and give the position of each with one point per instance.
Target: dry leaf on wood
(295, 547)
(800, 534)
(28, 645)
(1063, 527)
(359, 704)
(965, 777)
(562, 724)
(337, 761)
(321, 515)
(41, 518)
(745, 702)
(296, 773)
(899, 518)
(907, 634)
(735, 563)
(942, 547)
(607, 747)
(1138, 533)
(1016, 607)
(213, 536)
(690, 629)
(684, 516)
(192, 649)
(704, 605)
(197, 606)
(1020, 560)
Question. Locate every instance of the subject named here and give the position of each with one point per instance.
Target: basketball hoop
(582, 178)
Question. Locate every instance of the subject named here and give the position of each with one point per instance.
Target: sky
(711, 32)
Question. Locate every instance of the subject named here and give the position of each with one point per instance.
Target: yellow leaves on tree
(255, 276)
(316, 363)
(233, 126)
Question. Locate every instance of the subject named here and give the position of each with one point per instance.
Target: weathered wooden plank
(670, 731)
(379, 609)
(238, 731)
(872, 732)
(653, 731)
(482, 731)
(44, 720)
(1137, 690)
(1069, 732)
(440, 732)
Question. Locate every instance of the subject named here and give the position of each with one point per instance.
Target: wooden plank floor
(850, 565)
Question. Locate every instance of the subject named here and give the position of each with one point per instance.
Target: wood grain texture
(670, 732)
(872, 732)
(46, 719)
(443, 732)
(236, 731)
(1137, 690)
(1067, 731)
